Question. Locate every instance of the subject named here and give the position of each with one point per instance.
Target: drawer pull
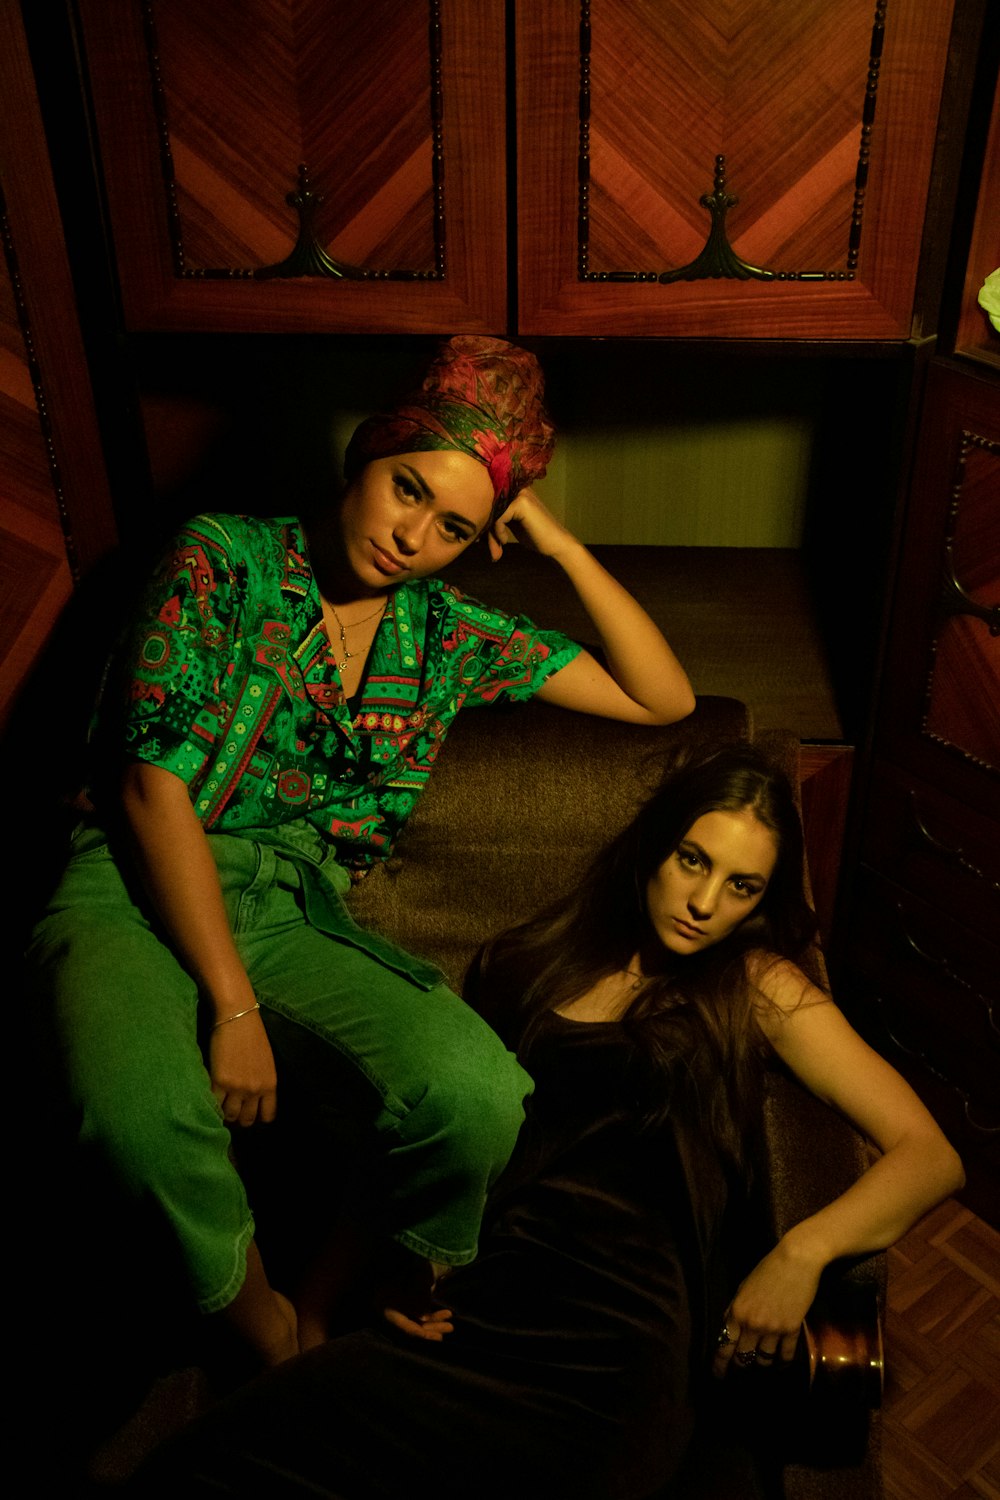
(949, 1083)
(933, 959)
(942, 964)
(974, 1124)
(953, 852)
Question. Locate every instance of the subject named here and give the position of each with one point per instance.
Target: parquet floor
(941, 1411)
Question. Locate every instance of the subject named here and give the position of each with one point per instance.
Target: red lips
(686, 930)
(385, 562)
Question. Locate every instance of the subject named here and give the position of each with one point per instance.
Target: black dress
(577, 1327)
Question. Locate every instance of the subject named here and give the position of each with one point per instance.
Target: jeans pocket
(88, 841)
(246, 874)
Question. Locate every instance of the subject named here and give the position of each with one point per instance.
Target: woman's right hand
(763, 1320)
(241, 1065)
(177, 867)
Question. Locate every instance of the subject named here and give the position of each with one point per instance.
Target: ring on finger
(745, 1357)
(725, 1337)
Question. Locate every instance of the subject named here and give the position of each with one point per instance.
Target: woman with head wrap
(287, 687)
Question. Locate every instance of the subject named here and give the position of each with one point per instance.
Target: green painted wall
(657, 449)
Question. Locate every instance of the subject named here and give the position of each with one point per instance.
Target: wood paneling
(922, 953)
(247, 96)
(206, 113)
(932, 987)
(927, 840)
(963, 695)
(55, 515)
(824, 115)
(938, 714)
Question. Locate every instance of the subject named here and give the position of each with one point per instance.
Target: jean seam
(257, 886)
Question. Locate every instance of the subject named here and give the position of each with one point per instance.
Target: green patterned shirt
(233, 686)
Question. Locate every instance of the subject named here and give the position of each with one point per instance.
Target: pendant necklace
(349, 655)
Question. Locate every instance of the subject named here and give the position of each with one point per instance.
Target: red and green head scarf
(480, 396)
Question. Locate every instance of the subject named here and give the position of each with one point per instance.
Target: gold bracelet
(248, 1012)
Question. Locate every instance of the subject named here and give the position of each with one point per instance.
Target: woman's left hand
(527, 520)
(763, 1321)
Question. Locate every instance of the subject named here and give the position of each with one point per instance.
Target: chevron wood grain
(823, 114)
(207, 115)
(964, 698)
(251, 90)
(732, 78)
(55, 513)
(35, 580)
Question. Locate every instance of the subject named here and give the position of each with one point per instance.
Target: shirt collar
(298, 576)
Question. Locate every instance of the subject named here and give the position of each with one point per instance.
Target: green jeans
(373, 1032)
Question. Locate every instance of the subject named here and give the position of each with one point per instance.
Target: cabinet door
(332, 165)
(930, 987)
(725, 171)
(922, 955)
(940, 707)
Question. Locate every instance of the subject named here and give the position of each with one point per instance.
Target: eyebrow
(703, 854)
(429, 494)
(421, 481)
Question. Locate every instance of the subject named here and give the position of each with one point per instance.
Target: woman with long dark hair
(562, 1360)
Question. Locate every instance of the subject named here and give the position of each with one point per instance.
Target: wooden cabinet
(716, 171)
(55, 510)
(328, 167)
(922, 948)
(923, 953)
(939, 713)
(725, 171)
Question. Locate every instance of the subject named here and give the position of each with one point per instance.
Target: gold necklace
(348, 655)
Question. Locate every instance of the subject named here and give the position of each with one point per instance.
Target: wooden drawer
(930, 985)
(935, 846)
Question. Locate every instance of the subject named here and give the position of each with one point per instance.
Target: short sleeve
(527, 661)
(178, 661)
(502, 656)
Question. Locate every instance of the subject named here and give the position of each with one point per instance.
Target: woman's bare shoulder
(779, 986)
